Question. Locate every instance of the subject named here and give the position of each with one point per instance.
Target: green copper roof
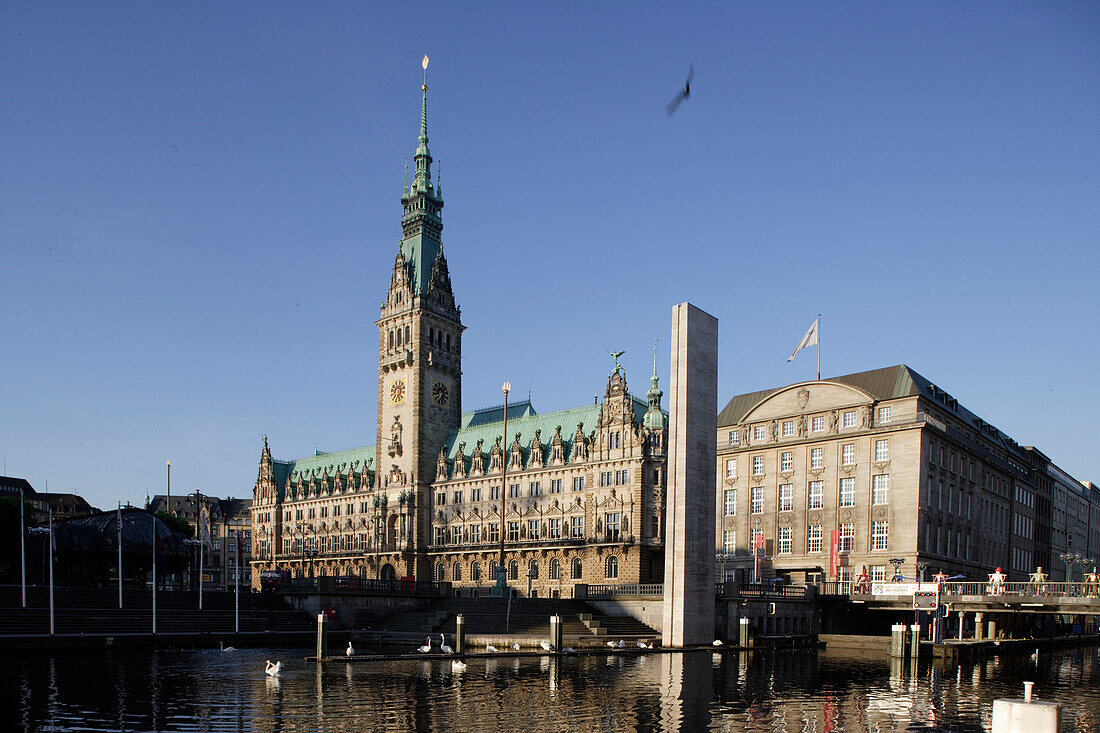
(339, 462)
(485, 415)
(420, 253)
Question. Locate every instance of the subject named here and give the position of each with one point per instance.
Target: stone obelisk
(689, 507)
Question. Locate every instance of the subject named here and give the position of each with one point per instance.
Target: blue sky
(199, 209)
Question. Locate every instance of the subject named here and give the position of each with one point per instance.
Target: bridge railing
(363, 585)
(625, 589)
(771, 590)
(1021, 589)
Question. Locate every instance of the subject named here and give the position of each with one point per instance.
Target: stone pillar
(690, 507)
(978, 626)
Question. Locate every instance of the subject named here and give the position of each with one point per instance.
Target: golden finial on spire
(424, 64)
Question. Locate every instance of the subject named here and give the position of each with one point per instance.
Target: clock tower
(419, 368)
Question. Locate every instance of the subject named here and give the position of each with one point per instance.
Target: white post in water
(1026, 716)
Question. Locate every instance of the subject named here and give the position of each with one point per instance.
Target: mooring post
(460, 634)
(322, 635)
(978, 626)
(897, 640)
(1026, 716)
(555, 632)
(743, 633)
(914, 648)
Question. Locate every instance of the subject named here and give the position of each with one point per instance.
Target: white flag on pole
(810, 339)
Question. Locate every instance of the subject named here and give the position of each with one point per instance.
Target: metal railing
(626, 589)
(771, 590)
(361, 585)
(1022, 589)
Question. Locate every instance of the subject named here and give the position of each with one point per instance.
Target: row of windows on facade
(398, 337)
(534, 488)
(532, 529)
(817, 425)
(815, 495)
(610, 569)
(325, 511)
(817, 459)
(846, 538)
(943, 541)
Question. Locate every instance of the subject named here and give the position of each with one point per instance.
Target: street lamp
(502, 571)
(1070, 559)
(196, 499)
(921, 567)
(168, 504)
(897, 562)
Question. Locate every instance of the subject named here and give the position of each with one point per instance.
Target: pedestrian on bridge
(996, 583)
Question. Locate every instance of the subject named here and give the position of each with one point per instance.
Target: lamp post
(897, 562)
(168, 501)
(1070, 559)
(196, 500)
(23, 550)
(921, 567)
(502, 571)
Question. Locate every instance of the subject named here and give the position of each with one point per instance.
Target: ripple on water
(213, 691)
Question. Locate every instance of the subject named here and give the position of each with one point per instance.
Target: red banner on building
(834, 548)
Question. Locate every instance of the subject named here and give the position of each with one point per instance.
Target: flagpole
(50, 550)
(819, 347)
(120, 555)
(22, 549)
(237, 597)
(154, 518)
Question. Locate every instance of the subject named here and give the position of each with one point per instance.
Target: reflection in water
(798, 691)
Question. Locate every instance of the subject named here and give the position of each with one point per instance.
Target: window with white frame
(817, 424)
(555, 486)
(815, 495)
(813, 538)
(758, 433)
(882, 450)
(786, 497)
(611, 526)
(817, 457)
(785, 540)
(847, 491)
(880, 532)
(729, 541)
(475, 494)
(884, 414)
(757, 500)
(846, 537)
(532, 529)
(475, 533)
(786, 461)
(731, 468)
(578, 483)
(554, 527)
(880, 489)
(788, 428)
(758, 465)
(848, 454)
(576, 526)
(735, 437)
(850, 419)
(513, 531)
(878, 573)
(731, 502)
(757, 540)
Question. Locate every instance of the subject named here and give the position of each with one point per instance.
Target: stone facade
(584, 497)
(891, 463)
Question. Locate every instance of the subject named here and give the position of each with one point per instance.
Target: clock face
(397, 392)
(441, 395)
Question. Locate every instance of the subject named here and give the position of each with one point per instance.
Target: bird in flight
(684, 93)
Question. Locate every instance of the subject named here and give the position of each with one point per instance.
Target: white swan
(547, 646)
(273, 670)
(620, 644)
(716, 642)
(515, 647)
(226, 648)
(611, 644)
(568, 650)
(1035, 656)
(490, 648)
(443, 645)
(350, 651)
(426, 648)
(458, 666)
(640, 644)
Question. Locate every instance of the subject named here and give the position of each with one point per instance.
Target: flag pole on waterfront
(119, 521)
(50, 549)
(154, 518)
(812, 338)
(22, 549)
(237, 595)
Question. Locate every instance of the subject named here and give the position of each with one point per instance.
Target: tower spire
(423, 177)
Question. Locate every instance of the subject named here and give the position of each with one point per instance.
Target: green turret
(654, 419)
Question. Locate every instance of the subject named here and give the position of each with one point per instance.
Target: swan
(443, 645)
(611, 644)
(620, 644)
(1035, 656)
(547, 646)
(716, 642)
(273, 670)
(426, 648)
(489, 648)
(226, 648)
(458, 666)
(515, 647)
(350, 651)
(640, 644)
(568, 650)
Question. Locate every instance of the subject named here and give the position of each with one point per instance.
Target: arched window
(475, 571)
(493, 570)
(391, 338)
(533, 571)
(456, 572)
(440, 572)
(555, 569)
(513, 570)
(407, 340)
(399, 336)
(612, 570)
(578, 569)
